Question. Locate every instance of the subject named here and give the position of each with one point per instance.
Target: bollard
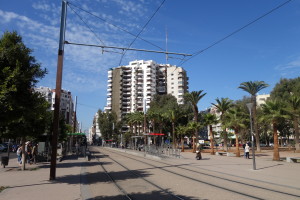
(4, 161)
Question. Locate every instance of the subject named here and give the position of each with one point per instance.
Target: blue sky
(267, 50)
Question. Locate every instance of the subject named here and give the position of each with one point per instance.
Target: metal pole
(58, 90)
(75, 120)
(252, 138)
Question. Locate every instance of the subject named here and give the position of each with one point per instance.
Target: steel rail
(213, 176)
(114, 182)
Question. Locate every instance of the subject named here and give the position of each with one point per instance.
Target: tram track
(211, 176)
(123, 191)
(126, 195)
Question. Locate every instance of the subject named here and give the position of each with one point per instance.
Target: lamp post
(250, 106)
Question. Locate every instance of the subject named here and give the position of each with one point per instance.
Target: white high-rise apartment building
(132, 87)
(66, 102)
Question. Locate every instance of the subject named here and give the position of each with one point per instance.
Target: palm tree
(209, 120)
(253, 88)
(129, 120)
(194, 127)
(235, 119)
(222, 106)
(152, 116)
(273, 113)
(193, 98)
(293, 108)
(173, 115)
(182, 131)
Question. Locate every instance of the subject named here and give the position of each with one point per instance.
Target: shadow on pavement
(270, 166)
(100, 177)
(157, 195)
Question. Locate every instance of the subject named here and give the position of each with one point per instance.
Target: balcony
(127, 94)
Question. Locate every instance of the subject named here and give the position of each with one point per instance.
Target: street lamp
(250, 106)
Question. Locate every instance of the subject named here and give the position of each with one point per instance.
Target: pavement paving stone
(76, 177)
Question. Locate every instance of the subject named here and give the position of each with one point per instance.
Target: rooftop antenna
(166, 45)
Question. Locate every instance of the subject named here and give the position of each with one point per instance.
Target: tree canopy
(285, 88)
(23, 112)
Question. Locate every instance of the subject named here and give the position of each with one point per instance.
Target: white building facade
(66, 102)
(132, 87)
(261, 99)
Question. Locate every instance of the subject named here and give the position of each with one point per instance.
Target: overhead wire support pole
(58, 90)
(125, 48)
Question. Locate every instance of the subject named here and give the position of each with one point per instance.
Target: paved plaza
(214, 177)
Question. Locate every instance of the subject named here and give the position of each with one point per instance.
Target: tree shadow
(157, 195)
(65, 163)
(100, 177)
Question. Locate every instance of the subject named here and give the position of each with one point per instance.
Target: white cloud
(290, 69)
(84, 67)
(132, 9)
(290, 65)
(6, 17)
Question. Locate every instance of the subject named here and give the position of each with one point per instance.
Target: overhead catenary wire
(125, 48)
(234, 32)
(86, 25)
(142, 29)
(118, 27)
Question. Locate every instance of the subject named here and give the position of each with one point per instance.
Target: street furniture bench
(230, 154)
(293, 159)
(225, 153)
(221, 153)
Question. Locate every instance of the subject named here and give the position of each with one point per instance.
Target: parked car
(3, 147)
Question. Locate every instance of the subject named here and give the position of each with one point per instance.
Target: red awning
(156, 134)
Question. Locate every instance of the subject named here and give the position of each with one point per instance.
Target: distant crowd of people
(30, 153)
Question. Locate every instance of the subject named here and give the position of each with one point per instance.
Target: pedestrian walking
(19, 154)
(28, 149)
(34, 153)
(247, 149)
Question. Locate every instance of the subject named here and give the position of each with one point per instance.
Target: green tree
(106, 121)
(253, 88)
(193, 98)
(160, 113)
(223, 106)
(173, 116)
(285, 88)
(209, 120)
(273, 112)
(23, 112)
(293, 108)
(235, 119)
(194, 127)
(183, 131)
